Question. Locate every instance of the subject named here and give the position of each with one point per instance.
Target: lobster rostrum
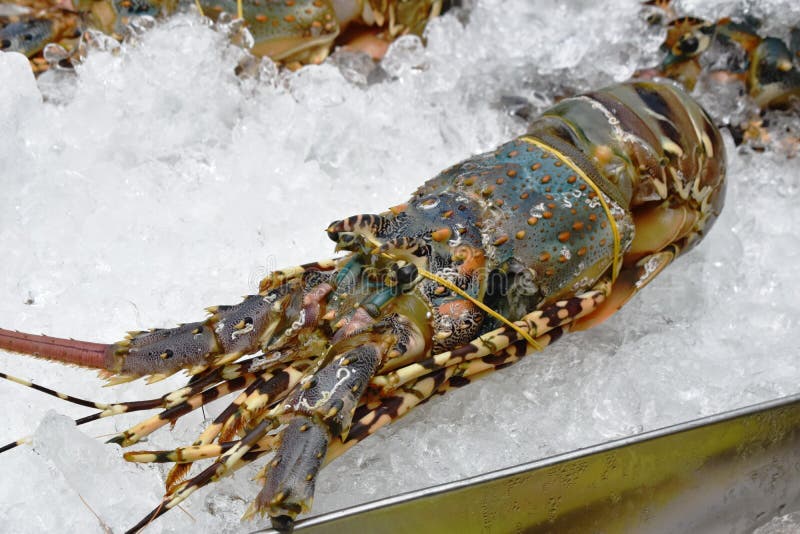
(491, 260)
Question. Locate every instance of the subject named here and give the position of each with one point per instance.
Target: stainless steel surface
(726, 473)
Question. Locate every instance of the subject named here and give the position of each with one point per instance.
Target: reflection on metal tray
(726, 473)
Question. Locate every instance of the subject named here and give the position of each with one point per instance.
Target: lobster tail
(69, 351)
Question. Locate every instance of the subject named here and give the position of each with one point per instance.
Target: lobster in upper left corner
(492, 259)
(293, 32)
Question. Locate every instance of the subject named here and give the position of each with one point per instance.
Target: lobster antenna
(54, 393)
(69, 351)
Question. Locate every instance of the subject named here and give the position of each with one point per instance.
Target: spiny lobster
(294, 32)
(491, 260)
(767, 66)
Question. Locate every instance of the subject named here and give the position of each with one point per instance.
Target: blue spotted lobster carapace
(492, 259)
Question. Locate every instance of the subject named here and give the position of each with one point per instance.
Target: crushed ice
(157, 182)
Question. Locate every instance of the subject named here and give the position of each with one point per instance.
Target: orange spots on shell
(469, 181)
(499, 202)
(442, 234)
(439, 290)
(536, 166)
(533, 220)
(582, 251)
(546, 178)
(524, 195)
(515, 207)
(261, 18)
(500, 240)
(551, 206)
(499, 181)
(563, 237)
(558, 163)
(456, 308)
(400, 208)
(593, 217)
(316, 24)
(549, 271)
(511, 173)
(544, 256)
(447, 214)
(473, 259)
(562, 259)
(318, 3)
(582, 187)
(488, 191)
(289, 18)
(549, 197)
(547, 215)
(520, 234)
(577, 226)
(602, 242)
(513, 154)
(572, 179)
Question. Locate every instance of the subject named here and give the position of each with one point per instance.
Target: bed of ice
(156, 182)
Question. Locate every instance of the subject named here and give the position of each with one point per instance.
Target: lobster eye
(407, 274)
(688, 45)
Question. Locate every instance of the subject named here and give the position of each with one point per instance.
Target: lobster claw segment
(291, 476)
(324, 406)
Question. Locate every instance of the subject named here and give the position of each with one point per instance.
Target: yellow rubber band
(455, 289)
(600, 195)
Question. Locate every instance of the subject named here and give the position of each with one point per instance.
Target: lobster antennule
(68, 351)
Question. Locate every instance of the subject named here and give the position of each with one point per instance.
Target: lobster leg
(322, 408)
(251, 447)
(271, 386)
(536, 324)
(150, 425)
(268, 390)
(374, 414)
(109, 410)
